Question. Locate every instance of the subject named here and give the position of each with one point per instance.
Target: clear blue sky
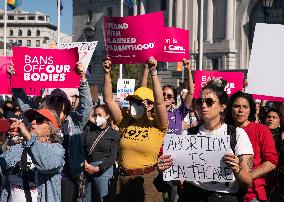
(49, 7)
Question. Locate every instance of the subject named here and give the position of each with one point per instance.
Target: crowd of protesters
(54, 150)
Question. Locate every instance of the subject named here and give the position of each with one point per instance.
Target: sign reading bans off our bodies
(45, 68)
(133, 39)
(198, 158)
(5, 87)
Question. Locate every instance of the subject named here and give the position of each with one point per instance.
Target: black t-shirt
(106, 149)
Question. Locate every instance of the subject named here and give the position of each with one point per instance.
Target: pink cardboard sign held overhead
(176, 45)
(234, 79)
(133, 39)
(45, 68)
(269, 98)
(4, 77)
(5, 87)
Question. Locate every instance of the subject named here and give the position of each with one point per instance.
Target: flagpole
(58, 22)
(121, 15)
(201, 36)
(5, 27)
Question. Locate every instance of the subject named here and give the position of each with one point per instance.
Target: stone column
(209, 25)
(230, 19)
(135, 9)
(170, 11)
(142, 7)
(179, 13)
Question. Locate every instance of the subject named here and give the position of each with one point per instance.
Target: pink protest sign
(45, 68)
(234, 79)
(269, 98)
(133, 39)
(4, 77)
(5, 88)
(176, 45)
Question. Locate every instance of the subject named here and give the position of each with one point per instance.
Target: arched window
(11, 32)
(37, 33)
(29, 33)
(20, 32)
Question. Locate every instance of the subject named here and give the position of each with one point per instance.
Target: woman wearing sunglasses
(211, 107)
(176, 114)
(241, 113)
(142, 135)
(34, 167)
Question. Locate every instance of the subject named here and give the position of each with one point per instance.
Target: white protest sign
(125, 87)
(266, 61)
(85, 50)
(198, 158)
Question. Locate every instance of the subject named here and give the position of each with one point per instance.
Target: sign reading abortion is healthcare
(176, 45)
(133, 39)
(45, 68)
(197, 158)
(234, 79)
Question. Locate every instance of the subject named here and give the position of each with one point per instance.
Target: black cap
(60, 95)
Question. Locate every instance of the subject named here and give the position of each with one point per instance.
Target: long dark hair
(234, 97)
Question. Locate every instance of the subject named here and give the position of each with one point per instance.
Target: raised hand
(80, 69)
(107, 65)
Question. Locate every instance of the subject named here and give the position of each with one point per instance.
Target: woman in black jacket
(101, 148)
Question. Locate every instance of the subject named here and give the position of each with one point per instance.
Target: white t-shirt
(243, 146)
(16, 184)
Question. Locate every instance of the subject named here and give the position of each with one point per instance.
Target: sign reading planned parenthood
(133, 39)
(198, 158)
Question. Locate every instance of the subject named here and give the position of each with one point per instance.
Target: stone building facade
(228, 29)
(29, 29)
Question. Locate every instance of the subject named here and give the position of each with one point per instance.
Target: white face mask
(100, 120)
(137, 111)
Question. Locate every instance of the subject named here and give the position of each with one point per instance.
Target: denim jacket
(48, 160)
(72, 126)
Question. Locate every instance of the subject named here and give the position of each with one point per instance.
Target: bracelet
(154, 72)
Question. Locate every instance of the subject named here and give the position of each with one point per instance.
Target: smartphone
(5, 125)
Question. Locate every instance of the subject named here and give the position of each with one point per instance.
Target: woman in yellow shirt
(142, 135)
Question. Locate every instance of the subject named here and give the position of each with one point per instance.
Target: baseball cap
(60, 95)
(32, 114)
(142, 94)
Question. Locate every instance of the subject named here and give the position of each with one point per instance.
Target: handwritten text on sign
(198, 158)
(125, 87)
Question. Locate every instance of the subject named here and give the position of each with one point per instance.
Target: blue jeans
(98, 186)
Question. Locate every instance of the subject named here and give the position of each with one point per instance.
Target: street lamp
(266, 5)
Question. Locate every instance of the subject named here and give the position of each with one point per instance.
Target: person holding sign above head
(142, 135)
(211, 107)
(241, 113)
(176, 114)
(72, 123)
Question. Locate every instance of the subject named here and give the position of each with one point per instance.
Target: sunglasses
(209, 102)
(40, 120)
(168, 96)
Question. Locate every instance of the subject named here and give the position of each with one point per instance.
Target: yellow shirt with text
(139, 144)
